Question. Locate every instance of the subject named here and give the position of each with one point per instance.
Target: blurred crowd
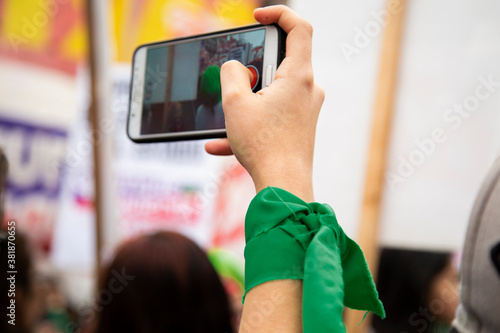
(164, 281)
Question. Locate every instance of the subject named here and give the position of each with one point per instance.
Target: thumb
(235, 82)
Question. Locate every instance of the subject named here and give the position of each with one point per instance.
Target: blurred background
(444, 134)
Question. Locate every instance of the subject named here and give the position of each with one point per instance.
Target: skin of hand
(272, 132)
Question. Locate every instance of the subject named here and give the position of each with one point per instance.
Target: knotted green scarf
(286, 238)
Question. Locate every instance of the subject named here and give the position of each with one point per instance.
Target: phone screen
(182, 89)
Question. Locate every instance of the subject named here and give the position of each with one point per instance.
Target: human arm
(272, 134)
(301, 268)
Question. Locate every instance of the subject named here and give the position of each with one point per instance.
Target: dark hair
(168, 285)
(23, 279)
(404, 281)
(4, 168)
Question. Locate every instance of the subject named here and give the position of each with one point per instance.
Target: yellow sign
(137, 22)
(53, 33)
(46, 32)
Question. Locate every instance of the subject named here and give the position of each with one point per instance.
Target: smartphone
(175, 92)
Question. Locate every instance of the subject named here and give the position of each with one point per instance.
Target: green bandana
(286, 238)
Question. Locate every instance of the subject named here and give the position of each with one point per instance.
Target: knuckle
(231, 96)
(228, 65)
(282, 8)
(308, 27)
(308, 79)
(320, 92)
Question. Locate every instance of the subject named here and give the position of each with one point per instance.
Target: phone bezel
(274, 53)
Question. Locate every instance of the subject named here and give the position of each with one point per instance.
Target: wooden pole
(377, 154)
(101, 125)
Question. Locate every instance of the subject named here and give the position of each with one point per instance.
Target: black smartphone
(175, 92)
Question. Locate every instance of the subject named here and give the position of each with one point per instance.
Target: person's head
(231, 271)
(162, 282)
(210, 89)
(4, 166)
(418, 290)
(480, 265)
(15, 287)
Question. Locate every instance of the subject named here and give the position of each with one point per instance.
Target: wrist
(294, 179)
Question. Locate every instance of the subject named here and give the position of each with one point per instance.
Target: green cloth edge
(285, 236)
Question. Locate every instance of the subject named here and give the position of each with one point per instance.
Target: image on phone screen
(180, 96)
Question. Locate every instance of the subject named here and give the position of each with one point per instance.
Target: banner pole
(378, 150)
(102, 126)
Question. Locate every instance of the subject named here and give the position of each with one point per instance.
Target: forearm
(274, 306)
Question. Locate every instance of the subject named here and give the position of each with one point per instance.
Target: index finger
(299, 39)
